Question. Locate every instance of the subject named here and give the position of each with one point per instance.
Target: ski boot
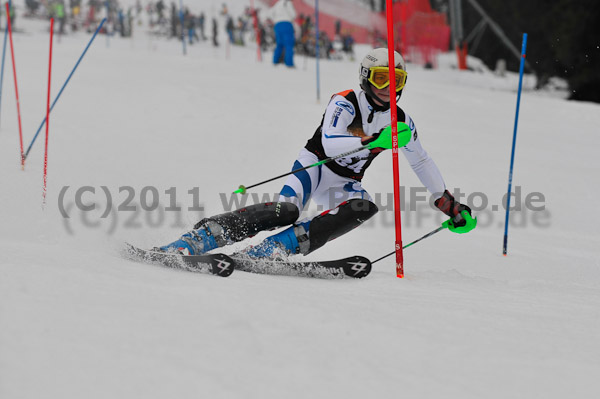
(293, 240)
(308, 236)
(205, 237)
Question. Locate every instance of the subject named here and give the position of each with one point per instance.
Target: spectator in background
(175, 22)
(12, 13)
(241, 29)
(348, 44)
(229, 28)
(189, 21)
(60, 15)
(160, 9)
(326, 46)
(282, 14)
(201, 19)
(75, 6)
(121, 22)
(32, 7)
(215, 29)
(305, 29)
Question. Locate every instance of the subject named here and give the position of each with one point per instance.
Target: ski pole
(384, 140)
(442, 227)
(242, 189)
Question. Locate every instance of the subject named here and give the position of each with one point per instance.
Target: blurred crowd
(166, 19)
(73, 15)
(243, 29)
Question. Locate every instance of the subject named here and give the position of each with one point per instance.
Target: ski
(223, 265)
(219, 264)
(352, 267)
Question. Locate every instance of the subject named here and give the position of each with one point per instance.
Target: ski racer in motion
(351, 120)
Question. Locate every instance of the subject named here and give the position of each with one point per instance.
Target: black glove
(447, 204)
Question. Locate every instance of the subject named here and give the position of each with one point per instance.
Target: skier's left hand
(461, 220)
(461, 223)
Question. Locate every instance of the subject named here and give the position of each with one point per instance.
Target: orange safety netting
(420, 33)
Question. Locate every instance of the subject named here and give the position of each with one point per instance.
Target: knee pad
(338, 221)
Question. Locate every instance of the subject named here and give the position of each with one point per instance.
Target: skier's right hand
(383, 139)
(369, 139)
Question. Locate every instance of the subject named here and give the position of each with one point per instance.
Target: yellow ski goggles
(379, 77)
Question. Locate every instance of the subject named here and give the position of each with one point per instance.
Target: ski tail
(351, 267)
(218, 264)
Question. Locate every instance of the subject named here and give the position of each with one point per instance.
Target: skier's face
(383, 94)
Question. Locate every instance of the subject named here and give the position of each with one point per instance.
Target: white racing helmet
(373, 72)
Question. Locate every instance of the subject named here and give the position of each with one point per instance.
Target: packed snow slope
(77, 320)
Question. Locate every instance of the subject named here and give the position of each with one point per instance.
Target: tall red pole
(394, 125)
(48, 114)
(12, 53)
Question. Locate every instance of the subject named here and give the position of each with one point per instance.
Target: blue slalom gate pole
(3, 58)
(512, 154)
(65, 85)
(317, 51)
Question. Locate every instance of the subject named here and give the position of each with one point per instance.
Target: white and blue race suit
(349, 117)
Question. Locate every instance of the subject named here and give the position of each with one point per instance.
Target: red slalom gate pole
(12, 53)
(48, 114)
(394, 125)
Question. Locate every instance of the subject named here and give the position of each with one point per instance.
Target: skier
(351, 120)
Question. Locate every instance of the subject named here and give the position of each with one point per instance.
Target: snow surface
(77, 321)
